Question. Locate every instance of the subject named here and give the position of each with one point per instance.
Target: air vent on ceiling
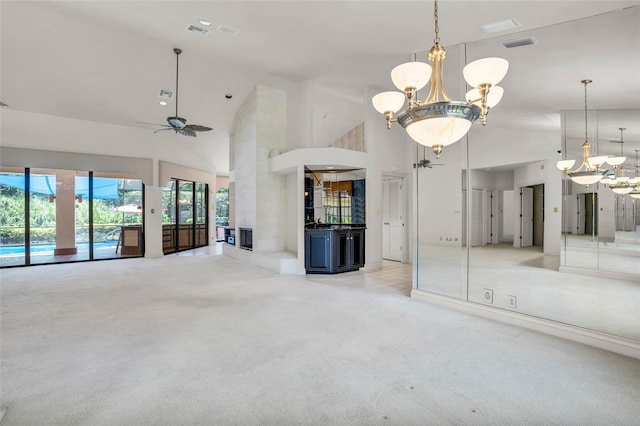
(197, 30)
(499, 26)
(166, 94)
(227, 30)
(518, 42)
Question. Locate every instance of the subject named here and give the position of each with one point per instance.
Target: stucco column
(65, 213)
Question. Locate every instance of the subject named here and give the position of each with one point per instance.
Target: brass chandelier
(589, 171)
(439, 121)
(618, 182)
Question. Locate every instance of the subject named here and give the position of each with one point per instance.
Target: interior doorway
(591, 213)
(393, 235)
(532, 216)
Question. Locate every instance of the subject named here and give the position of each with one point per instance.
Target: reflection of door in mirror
(526, 217)
(477, 217)
(591, 214)
(392, 220)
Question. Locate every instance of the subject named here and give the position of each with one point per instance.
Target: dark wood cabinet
(330, 251)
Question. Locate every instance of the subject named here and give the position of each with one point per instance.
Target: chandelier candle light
(439, 121)
(589, 171)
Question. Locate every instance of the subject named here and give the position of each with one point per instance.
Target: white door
(526, 216)
(393, 220)
(477, 217)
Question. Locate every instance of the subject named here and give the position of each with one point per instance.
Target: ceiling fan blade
(164, 129)
(186, 132)
(152, 124)
(197, 128)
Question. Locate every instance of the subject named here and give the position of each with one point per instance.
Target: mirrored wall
(499, 225)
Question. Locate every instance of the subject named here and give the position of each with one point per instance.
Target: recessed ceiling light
(228, 96)
(163, 103)
(498, 26)
(206, 23)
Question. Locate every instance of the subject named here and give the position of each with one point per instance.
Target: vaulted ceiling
(106, 61)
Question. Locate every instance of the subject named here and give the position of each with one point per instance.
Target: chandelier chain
(585, 108)
(436, 40)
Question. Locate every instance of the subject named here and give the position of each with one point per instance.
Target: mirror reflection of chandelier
(618, 182)
(589, 171)
(439, 121)
(635, 193)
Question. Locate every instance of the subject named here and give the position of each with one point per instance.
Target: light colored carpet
(206, 340)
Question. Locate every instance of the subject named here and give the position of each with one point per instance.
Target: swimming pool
(48, 248)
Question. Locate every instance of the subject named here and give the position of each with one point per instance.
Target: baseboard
(599, 273)
(596, 339)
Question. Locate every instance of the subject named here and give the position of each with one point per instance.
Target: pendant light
(439, 121)
(589, 171)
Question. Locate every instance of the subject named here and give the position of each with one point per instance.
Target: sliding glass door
(55, 216)
(185, 221)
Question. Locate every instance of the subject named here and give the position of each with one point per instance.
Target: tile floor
(394, 276)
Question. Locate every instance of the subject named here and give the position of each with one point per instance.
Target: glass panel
(186, 210)
(169, 233)
(201, 215)
(441, 201)
(81, 216)
(222, 212)
(44, 197)
(117, 206)
(12, 223)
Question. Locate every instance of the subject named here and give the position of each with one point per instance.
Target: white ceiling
(105, 61)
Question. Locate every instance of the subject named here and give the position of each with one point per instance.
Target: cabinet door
(357, 249)
(341, 251)
(317, 251)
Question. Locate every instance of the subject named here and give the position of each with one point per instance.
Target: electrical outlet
(513, 302)
(487, 296)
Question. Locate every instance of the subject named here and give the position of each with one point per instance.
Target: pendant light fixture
(620, 184)
(635, 193)
(589, 171)
(439, 121)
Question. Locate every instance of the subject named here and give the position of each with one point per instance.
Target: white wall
(388, 152)
(334, 113)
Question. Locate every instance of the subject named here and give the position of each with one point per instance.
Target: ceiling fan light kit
(177, 123)
(439, 121)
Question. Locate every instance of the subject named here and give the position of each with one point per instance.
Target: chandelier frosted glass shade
(493, 97)
(388, 102)
(587, 178)
(438, 124)
(596, 162)
(622, 189)
(565, 164)
(488, 71)
(439, 131)
(616, 161)
(411, 75)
